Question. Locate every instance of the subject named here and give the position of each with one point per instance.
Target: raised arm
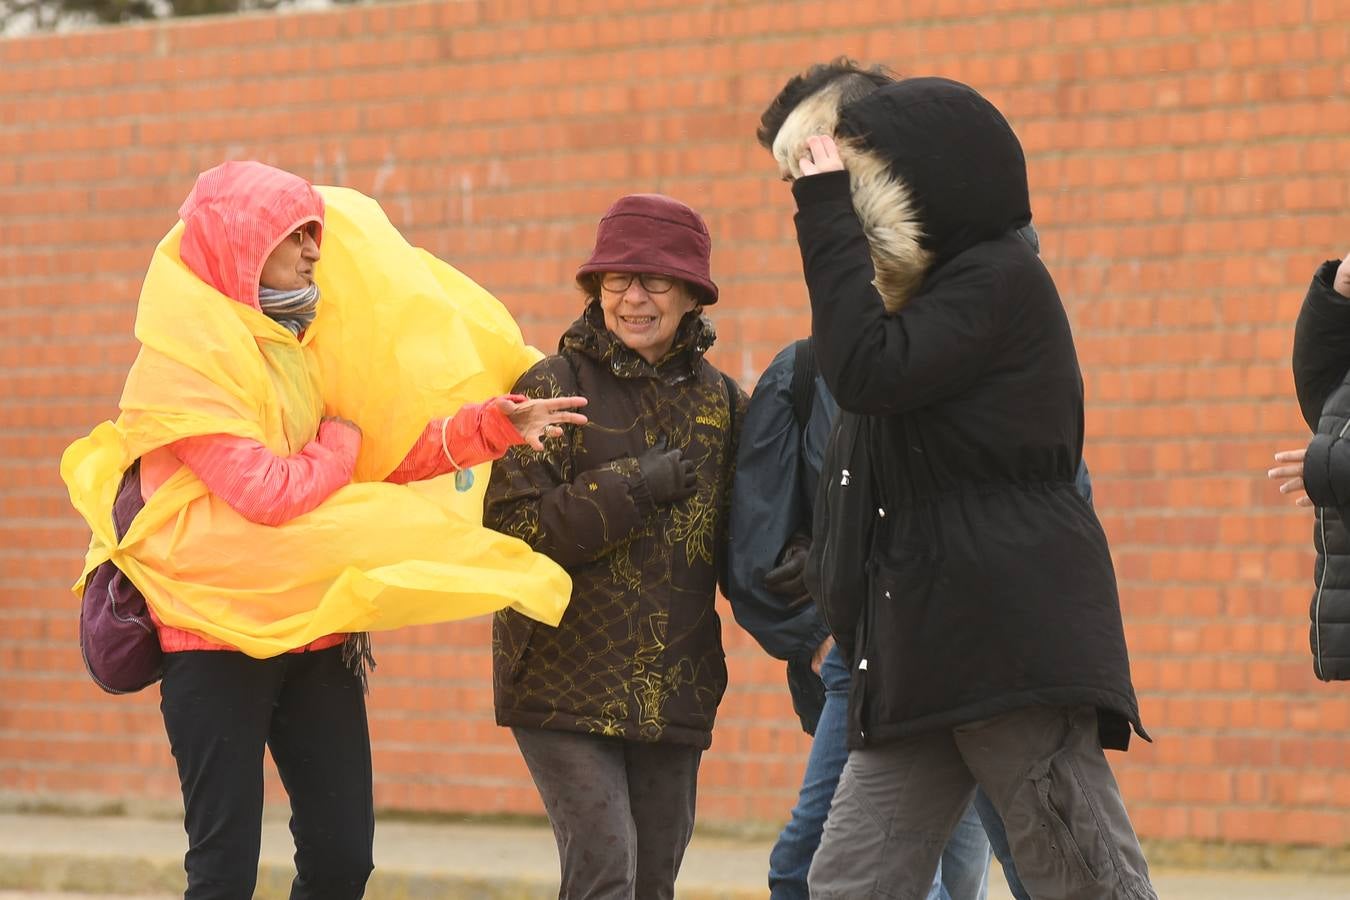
(877, 363)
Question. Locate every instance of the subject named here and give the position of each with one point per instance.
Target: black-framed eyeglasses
(618, 282)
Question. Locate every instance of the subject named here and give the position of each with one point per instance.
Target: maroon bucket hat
(654, 233)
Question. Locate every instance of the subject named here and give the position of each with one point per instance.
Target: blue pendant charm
(463, 480)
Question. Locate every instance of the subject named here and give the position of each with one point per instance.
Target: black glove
(787, 579)
(668, 474)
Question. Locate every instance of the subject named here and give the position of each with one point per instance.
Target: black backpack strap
(803, 382)
(733, 393)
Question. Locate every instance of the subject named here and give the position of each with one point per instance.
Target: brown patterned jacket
(638, 653)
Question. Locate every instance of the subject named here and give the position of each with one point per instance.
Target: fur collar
(884, 204)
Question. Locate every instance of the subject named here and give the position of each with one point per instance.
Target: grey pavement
(45, 857)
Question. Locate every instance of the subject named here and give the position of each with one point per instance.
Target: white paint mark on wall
(384, 172)
(339, 167)
(748, 373)
(466, 198)
(497, 175)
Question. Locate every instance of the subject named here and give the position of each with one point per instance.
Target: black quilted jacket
(1321, 360)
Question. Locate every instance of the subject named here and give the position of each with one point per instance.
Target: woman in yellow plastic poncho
(247, 415)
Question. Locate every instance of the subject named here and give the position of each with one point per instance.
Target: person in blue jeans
(782, 442)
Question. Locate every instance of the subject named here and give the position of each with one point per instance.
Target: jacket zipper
(1317, 601)
(858, 694)
(825, 561)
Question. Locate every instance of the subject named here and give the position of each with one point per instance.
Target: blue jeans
(998, 840)
(964, 872)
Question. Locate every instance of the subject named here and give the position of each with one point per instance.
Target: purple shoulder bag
(117, 637)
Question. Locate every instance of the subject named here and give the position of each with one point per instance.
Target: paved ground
(46, 857)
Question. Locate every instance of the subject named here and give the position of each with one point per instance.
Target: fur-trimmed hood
(934, 169)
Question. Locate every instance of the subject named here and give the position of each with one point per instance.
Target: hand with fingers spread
(668, 474)
(542, 418)
(1291, 470)
(822, 155)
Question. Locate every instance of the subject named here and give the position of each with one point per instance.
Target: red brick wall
(1188, 167)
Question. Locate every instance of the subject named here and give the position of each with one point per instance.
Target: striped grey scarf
(293, 309)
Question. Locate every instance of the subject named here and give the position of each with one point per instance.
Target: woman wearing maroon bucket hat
(613, 709)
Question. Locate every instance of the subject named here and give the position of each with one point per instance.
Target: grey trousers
(1045, 772)
(622, 811)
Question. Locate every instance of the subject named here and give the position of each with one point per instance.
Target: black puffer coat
(962, 573)
(1321, 360)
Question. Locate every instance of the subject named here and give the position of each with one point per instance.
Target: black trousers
(220, 709)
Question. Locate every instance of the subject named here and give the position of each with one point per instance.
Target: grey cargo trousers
(1045, 772)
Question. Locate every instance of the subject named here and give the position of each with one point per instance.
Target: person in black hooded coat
(967, 582)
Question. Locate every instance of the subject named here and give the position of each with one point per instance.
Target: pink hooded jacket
(235, 216)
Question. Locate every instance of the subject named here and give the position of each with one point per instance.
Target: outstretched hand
(537, 420)
(1292, 473)
(822, 155)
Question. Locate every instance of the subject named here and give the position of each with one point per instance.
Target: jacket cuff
(641, 494)
(1317, 471)
(816, 638)
(827, 187)
(498, 432)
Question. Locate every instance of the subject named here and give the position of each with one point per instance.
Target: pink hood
(235, 216)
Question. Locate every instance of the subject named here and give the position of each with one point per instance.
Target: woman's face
(644, 311)
(290, 266)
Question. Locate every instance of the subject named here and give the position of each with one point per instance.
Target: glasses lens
(616, 282)
(657, 284)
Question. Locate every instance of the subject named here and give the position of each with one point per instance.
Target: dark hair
(856, 82)
(589, 284)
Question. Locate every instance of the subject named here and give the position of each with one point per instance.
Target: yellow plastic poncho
(401, 338)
